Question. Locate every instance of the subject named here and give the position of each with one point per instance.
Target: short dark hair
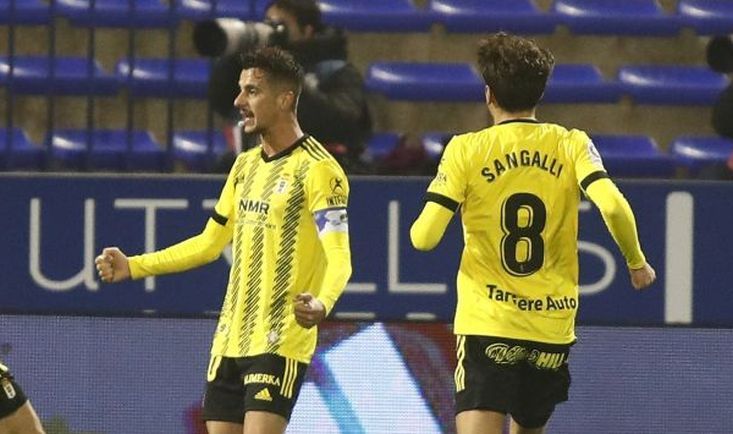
(280, 66)
(306, 12)
(515, 69)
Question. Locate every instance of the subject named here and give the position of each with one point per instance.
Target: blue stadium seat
(192, 148)
(623, 156)
(376, 15)
(518, 16)
(707, 17)
(150, 77)
(633, 156)
(116, 13)
(380, 145)
(671, 84)
(27, 12)
(32, 75)
(19, 152)
(434, 143)
(108, 150)
(580, 84)
(425, 81)
(197, 10)
(615, 17)
(696, 153)
(459, 82)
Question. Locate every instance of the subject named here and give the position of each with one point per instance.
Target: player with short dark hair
(283, 207)
(517, 185)
(17, 415)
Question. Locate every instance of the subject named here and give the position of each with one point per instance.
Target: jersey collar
(523, 120)
(285, 152)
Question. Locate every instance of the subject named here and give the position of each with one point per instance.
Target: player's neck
(280, 137)
(500, 115)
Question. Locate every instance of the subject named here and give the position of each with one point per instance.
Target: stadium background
(131, 358)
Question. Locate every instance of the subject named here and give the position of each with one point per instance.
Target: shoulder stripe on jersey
(593, 177)
(442, 200)
(310, 151)
(317, 148)
(321, 148)
(219, 218)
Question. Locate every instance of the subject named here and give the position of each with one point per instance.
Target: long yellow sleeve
(430, 226)
(193, 252)
(338, 267)
(619, 219)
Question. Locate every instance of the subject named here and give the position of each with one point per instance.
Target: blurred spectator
(333, 104)
(720, 59)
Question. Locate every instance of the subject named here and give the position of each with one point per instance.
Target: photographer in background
(332, 105)
(720, 59)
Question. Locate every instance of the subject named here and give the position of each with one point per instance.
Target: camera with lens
(223, 36)
(719, 54)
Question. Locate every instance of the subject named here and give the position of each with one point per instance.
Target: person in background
(333, 104)
(719, 54)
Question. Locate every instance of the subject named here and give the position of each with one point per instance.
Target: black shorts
(522, 378)
(265, 382)
(11, 395)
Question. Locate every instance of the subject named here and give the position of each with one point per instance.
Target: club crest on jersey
(281, 186)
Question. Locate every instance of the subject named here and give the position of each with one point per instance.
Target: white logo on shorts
(8, 389)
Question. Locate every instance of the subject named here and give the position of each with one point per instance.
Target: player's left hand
(309, 310)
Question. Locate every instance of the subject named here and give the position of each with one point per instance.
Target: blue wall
(146, 376)
(55, 225)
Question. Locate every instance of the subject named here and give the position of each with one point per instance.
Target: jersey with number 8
(517, 184)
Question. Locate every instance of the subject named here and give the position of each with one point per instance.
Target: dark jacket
(723, 113)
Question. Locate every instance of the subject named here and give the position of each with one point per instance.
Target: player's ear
(488, 95)
(286, 100)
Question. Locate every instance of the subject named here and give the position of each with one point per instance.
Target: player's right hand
(112, 265)
(642, 277)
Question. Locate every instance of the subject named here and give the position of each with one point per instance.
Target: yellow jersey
(286, 218)
(516, 184)
(276, 249)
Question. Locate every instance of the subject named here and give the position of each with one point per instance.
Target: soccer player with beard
(283, 207)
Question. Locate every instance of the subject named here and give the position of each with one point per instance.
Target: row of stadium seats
(571, 83)
(115, 150)
(38, 75)
(617, 17)
(408, 81)
(632, 156)
(624, 156)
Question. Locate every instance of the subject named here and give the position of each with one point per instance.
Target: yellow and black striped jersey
(517, 187)
(277, 208)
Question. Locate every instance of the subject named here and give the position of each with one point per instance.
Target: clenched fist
(643, 277)
(112, 265)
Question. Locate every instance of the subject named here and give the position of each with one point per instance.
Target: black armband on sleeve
(593, 177)
(442, 201)
(219, 218)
